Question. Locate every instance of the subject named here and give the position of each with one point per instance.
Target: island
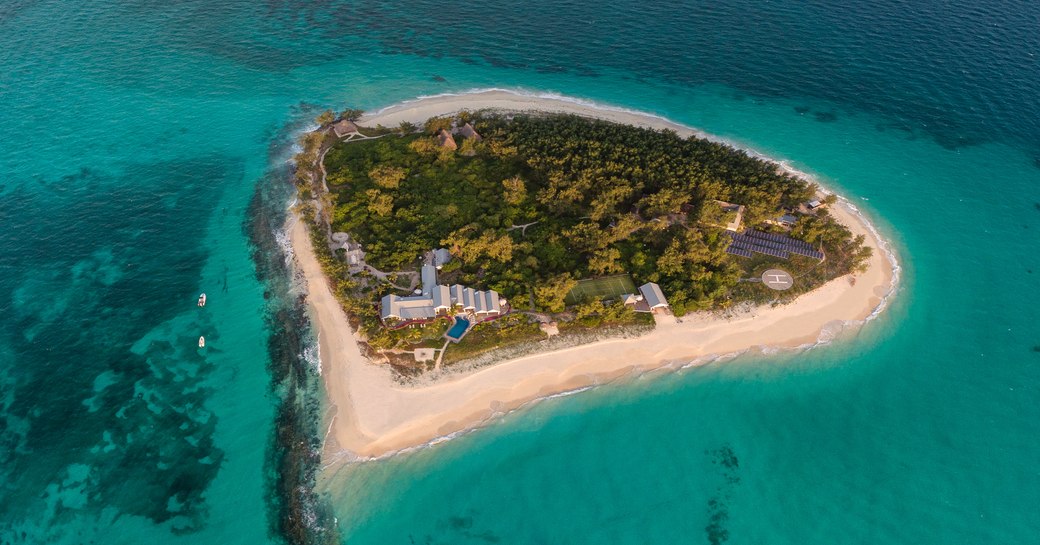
(465, 255)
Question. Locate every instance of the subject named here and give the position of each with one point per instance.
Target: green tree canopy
(352, 114)
(550, 294)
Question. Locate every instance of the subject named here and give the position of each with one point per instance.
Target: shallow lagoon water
(134, 137)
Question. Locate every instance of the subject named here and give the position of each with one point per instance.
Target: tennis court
(607, 287)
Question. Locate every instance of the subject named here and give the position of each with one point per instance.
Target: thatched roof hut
(467, 131)
(445, 140)
(344, 127)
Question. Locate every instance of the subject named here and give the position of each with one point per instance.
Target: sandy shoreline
(375, 416)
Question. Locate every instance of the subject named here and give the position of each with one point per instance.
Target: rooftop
(441, 256)
(344, 127)
(437, 299)
(468, 131)
(653, 295)
(445, 140)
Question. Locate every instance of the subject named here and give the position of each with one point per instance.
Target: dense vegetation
(601, 199)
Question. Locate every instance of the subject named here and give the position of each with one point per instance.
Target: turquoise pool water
(457, 329)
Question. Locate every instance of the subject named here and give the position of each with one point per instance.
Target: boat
(202, 300)
(202, 342)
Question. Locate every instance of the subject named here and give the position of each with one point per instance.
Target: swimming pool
(456, 331)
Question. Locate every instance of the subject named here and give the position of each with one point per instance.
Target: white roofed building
(429, 279)
(457, 293)
(407, 309)
(441, 299)
(494, 304)
(435, 300)
(653, 296)
(441, 256)
(649, 299)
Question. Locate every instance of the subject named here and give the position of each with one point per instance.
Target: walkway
(522, 228)
(440, 356)
(384, 276)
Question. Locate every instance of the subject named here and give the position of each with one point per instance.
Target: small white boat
(202, 342)
(202, 300)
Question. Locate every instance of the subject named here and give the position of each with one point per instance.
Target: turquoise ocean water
(143, 152)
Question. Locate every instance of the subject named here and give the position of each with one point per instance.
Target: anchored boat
(202, 342)
(202, 300)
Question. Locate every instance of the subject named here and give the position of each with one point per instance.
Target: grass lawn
(510, 330)
(607, 287)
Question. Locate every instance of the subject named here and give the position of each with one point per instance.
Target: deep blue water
(142, 160)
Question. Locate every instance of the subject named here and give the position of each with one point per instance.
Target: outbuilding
(345, 127)
(654, 297)
(445, 140)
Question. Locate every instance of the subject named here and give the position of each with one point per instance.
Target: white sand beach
(375, 416)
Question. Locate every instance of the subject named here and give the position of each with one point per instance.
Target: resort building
(352, 252)
(441, 256)
(786, 220)
(445, 140)
(407, 309)
(467, 131)
(344, 127)
(653, 296)
(649, 299)
(811, 207)
(428, 274)
(734, 211)
(439, 300)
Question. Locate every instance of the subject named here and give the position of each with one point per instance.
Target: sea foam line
(350, 457)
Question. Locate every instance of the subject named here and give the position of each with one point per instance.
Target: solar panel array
(781, 246)
(793, 245)
(738, 251)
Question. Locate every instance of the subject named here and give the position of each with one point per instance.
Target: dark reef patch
(826, 117)
(463, 526)
(551, 69)
(905, 128)
(460, 523)
(110, 390)
(297, 514)
(954, 141)
(717, 530)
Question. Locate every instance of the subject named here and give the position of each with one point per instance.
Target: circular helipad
(777, 279)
